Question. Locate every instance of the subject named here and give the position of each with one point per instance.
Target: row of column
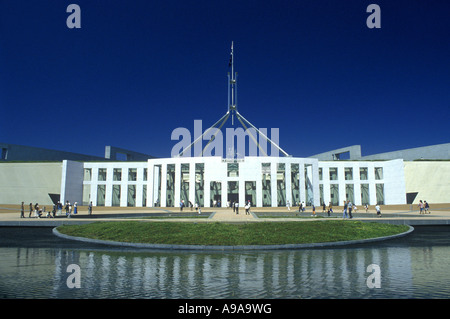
(157, 189)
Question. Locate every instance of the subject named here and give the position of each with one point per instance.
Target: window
(116, 195)
(266, 187)
(365, 194)
(380, 193)
(102, 174)
(117, 174)
(145, 175)
(4, 153)
(87, 174)
(101, 195)
(132, 174)
(348, 173)
(334, 194)
(333, 174)
(363, 173)
(320, 174)
(131, 196)
(349, 192)
(233, 170)
(378, 173)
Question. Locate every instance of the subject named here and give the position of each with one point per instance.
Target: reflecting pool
(35, 264)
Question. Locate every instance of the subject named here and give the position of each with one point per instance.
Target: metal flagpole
(232, 110)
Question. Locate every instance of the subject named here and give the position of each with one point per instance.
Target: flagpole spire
(232, 88)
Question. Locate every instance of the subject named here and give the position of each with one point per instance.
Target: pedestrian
(75, 208)
(237, 207)
(377, 208)
(367, 208)
(427, 208)
(344, 215)
(54, 211)
(234, 207)
(324, 207)
(288, 205)
(246, 209)
(31, 210)
(420, 207)
(90, 208)
(303, 206)
(350, 207)
(330, 207)
(68, 208)
(22, 211)
(314, 211)
(36, 210)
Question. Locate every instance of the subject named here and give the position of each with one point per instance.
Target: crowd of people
(36, 212)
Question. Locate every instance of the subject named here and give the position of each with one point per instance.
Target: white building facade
(213, 181)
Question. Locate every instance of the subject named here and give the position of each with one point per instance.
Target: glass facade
(266, 187)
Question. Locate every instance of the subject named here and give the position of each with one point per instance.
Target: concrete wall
(440, 151)
(72, 182)
(29, 182)
(431, 179)
(12, 152)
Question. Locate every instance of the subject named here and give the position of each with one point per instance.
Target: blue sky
(136, 70)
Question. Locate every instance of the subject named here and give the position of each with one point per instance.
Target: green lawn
(260, 233)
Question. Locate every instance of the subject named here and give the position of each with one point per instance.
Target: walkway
(227, 214)
(10, 215)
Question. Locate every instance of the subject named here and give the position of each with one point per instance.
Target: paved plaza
(399, 214)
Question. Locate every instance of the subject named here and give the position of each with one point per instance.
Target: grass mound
(261, 233)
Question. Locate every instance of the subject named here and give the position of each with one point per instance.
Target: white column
(315, 183)
(151, 178)
(177, 191)
(164, 185)
(273, 183)
(301, 185)
(341, 181)
(288, 186)
(192, 182)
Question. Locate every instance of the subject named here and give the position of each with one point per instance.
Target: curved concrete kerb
(230, 248)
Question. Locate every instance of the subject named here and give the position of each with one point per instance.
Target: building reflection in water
(321, 273)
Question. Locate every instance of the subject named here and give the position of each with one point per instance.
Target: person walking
(427, 208)
(90, 209)
(349, 207)
(344, 215)
(31, 210)
(237, 207)
(75, 208)
(36, 210)
(314, 211)
(377, 208)
(22, 211)
(420, 207)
